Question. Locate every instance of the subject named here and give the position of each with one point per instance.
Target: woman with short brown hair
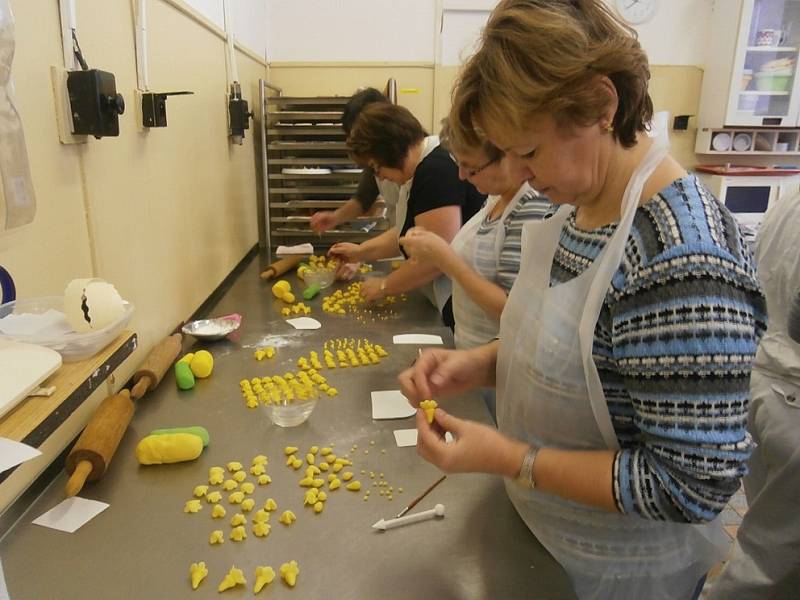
(389, 140)
(623, 362)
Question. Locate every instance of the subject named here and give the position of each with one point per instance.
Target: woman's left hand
(476, 448)
(425, 246)
(346, 271)
(371, 289)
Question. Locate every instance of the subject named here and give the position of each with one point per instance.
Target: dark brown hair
(384, 133)
(545, 57)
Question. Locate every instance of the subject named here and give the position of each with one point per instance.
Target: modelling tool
(384, 524)
(416, 500)
(89, 458)
(279, 267)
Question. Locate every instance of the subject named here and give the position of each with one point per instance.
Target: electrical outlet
(58, 77)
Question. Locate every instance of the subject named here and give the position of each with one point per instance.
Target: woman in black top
(389, 140)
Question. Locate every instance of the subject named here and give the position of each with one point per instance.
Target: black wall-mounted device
(238, 115)
(94, 103)
(154, 108)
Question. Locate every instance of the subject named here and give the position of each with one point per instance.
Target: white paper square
(304, 323)
(296, 249)
(71, 514)
(13, 453)
(391, 404)
(408, 437)
(417, 338)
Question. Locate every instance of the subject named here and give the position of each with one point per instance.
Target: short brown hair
(544, 57)
(453, 140)
(384, 132)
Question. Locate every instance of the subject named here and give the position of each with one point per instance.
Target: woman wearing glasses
(389, 140)
(482, 261)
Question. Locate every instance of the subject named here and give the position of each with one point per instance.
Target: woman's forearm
(381, 246)
(410, 276)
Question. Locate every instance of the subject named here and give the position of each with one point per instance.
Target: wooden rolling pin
(89, 458)
(279, 267)
(92, 453)
(155, 365)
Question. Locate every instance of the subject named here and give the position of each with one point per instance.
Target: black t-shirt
(367, 191)
(436, 184)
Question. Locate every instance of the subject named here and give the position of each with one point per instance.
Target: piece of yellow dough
(289, 572)
(238, 519)
(232, 579)
(200, 490)
(238, 533)
(213, 497)
(202, 364)
(261, 516)
(168, 448)
(264, 576)
(248, 504)
(247, 487)
(192, 506)
(216, 537)
(429, 406)
(270, 504)
(197, 572)
(239, 476)
(287, 517)
(218, 511)
(236, 498)
(261, 529)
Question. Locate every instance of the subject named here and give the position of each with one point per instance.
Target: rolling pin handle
(78, 478)
(140, 387)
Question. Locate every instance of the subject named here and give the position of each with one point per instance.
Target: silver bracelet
(525, 478)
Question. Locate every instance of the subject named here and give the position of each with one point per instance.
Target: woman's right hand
(323, 221)
(346, 252)
(440, 372)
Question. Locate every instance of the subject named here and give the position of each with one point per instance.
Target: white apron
(389, 191)
(549, 394)
(439, 290)
(473, 326)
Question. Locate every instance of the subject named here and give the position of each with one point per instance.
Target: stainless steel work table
(142, 545)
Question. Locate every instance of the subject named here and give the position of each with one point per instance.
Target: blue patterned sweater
(674, 345)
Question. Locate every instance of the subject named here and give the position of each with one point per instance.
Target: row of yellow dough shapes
(328, 461)
(216, 475)
(264, 576)
(285, 389)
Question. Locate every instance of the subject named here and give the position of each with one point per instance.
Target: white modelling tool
(384, 524)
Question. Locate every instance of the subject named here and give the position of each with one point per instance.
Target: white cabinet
(750, 78)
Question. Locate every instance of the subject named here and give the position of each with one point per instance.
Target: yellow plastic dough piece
(260, 460)
(323, 466)
(264, 576)
(218, 511)
(286, 311)
(168, 448)
(288, 297)
(429, 406)
(257, 469)
(239, 476)
(213, 497)
(187, 358)
(270, 504)
(289, 572)
(280, 288)
(248, 504)
(229, 485)
(289, 450)
(264, 479)
(307, 482)
(238, 533)
(353, 486)
(318, 507)
(236, 497)
(238, 519)
(310, 458)
(247, 487)
(216, 537)
(202, 364)
(200, 490)
(311, 497)
(347, 475)
(232, 579)
(261, 529)
(287, 517)
(234, 466)
(197, 572)
(192, 506)
(261, 516)
(334, 484)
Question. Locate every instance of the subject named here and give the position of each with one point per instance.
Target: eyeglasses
(475, 171)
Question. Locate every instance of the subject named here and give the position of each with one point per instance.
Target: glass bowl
(290, 414)
(322, 277)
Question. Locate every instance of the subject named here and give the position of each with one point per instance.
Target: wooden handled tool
(279, 267)
(155, 365)
(92, 453)
(89, 458)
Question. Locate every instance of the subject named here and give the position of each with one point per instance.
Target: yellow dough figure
(198, 572)
(429, 406)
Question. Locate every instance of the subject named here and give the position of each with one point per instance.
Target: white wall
(677, 35)
(350, 30)
(249, 20)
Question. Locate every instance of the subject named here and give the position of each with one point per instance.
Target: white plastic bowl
(58, 335)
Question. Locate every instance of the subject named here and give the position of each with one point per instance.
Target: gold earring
(608, 128)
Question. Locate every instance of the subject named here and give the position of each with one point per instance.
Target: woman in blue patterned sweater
(623, 364)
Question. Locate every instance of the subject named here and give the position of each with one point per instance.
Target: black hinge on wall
(154, 107)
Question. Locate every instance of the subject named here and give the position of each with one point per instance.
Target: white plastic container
(45, 324)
